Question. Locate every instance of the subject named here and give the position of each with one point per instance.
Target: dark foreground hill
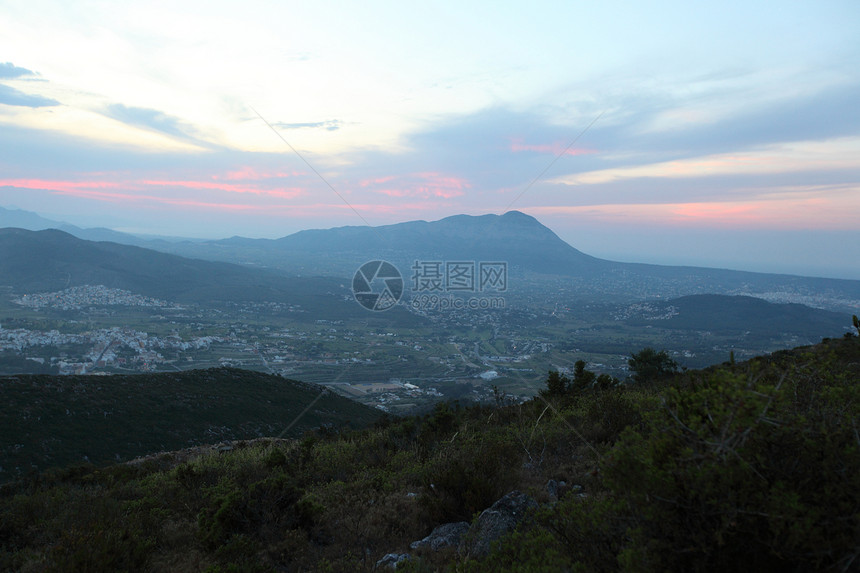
(752, 466)
(51, 421)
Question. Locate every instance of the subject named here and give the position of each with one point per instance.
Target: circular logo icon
(377, 285)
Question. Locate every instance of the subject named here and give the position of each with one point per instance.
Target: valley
(483, 306)
(395, 363)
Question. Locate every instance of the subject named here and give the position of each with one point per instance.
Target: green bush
(737, 470)
(465, 477)
(100, 549)
(529, 551)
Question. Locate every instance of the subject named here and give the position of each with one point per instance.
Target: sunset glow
(210, 121)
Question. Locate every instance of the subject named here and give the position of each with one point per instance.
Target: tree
(582, 379)
(856, 323)
(648, 365)
(556, 383)
(605, 381)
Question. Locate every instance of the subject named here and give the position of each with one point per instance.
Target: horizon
(718, 136)
(655, 259)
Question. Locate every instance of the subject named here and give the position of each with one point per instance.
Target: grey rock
(499, 520)
(446, 535)
(552, 489)
(391, 560)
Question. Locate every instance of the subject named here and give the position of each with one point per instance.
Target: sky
(710, 134)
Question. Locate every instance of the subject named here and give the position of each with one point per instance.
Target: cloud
(680, 127)
(131, 185)
(58, 185)
(422, 185)
(647, 159)
(9, 71)
(478, 147)
(809, 210)
(228, 187)
(249, 173)
(328, 125)
(11, 96)
(775, 159)
(152, 119)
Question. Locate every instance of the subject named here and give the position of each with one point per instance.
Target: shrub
(466, 477)
(734, 471)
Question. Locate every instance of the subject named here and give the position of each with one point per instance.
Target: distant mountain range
(52, 260)
(20, 219)
(515, 238)
(536, 258)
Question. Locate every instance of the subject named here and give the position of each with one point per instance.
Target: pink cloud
(377, 180)
(393, 192)
(752, 211)
(64, 186)
(427, 184)
(248, 173)
(122, 194)
(58, 185)
(772, 213)
(229, 187)
(130, 192)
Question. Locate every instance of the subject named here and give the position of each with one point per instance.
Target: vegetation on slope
(59, 420)
(749, 466)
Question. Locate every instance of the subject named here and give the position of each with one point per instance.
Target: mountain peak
(516, 238)
(515, 217)
(519, 216)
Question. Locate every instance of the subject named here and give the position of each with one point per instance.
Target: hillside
(536, 257)
(36, 261)
(737, 314)
(50, 421)
(748, 466)
(52, 260)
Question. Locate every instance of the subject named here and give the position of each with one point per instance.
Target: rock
(446, 535)
(556, 489)
(499, 520)
(391, 560)
(552, 489)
